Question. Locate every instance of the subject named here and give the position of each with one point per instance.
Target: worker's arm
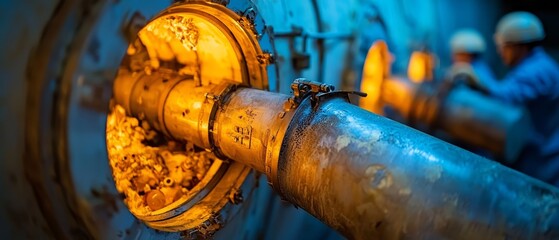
(525, 84)
(515, 88)
(535, 77)
(471, 75)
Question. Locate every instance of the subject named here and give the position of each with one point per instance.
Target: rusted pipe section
(362, 174)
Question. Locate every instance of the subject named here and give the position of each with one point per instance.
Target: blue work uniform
(482, 70)
(534, 84)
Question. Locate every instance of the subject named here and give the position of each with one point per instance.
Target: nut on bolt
(265, 58)
(212, 97)
(236, 196)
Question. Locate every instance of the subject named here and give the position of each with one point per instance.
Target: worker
(532, 82)
(467, 47)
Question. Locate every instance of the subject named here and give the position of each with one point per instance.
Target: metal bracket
(302, 88)
(266, 58)
(247, 20)
(338, 93)
(300, 59)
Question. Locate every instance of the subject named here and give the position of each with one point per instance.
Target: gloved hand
(463, 73)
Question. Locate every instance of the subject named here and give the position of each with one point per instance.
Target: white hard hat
(467, 41)
(519, 27)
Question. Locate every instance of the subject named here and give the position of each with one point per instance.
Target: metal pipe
(244, 125)
(467, 116)
(373, 178)
(367, 176)
(485, 122)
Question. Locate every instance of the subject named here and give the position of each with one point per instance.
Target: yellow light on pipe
(420, 67)
(376, 68)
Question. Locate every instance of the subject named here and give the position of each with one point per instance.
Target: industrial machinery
(196, 130)
(448, 109)
(57, 164)
(362, 174)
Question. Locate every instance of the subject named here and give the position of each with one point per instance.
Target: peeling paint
(433, 173)
(342, 142)
(378, 177)
(405, 192)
